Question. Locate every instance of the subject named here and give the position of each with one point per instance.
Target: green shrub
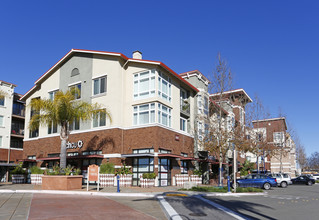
(248, 189)
(68, 170)
(198, 172)
(124, 170)
(18, 170)
(149, 175)
(77, 171)
(36, 170)
(107, 168)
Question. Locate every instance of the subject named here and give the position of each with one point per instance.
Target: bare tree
(301, 155)
(257, 136)
(313, 161)
(221, 81)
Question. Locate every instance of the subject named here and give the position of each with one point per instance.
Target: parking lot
(293, 202)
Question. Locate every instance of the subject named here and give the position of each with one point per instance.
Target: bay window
(164, 115)
(144, 85)
(164, 87)
(144, 114)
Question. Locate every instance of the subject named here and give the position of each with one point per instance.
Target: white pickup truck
(283, 179)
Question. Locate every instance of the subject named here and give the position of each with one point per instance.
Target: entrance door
(164, 172)
(142, 165)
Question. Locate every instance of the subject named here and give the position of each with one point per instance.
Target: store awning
(169, 155)
(8, 165)
(138, 155)
(72, 157)
(27, 160)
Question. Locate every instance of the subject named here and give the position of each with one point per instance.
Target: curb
(150, 195)
(61, 192)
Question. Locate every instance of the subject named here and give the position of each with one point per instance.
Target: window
(77, 90)
(99, 85)
(163, 151)
(1, 121)
(18, 109)
(206, 105)
(199, 104)
(259, 136)
(52, 94)
(33, 157)
(92, 152)
(145, 150)
(53, 128)
(75, 72)
(164, 115)
(144, 85)
(183, 124)
(35, 132)
(184, 167)
(99, 119)
(2, 101)
(72, 154)
(278, 137)
(144, 114)
(164, 87)
(200, 130)
(75, 125)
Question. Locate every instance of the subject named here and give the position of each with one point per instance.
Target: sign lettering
(79, 145)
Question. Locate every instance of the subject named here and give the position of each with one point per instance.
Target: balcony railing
(19, 112)
(17, 131)
(185, 107)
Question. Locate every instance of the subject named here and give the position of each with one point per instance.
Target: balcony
(18, 112)
(17, 132)
(185, 107)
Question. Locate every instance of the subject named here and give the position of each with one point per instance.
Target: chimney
(137, 55)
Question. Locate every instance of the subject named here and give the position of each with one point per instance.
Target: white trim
(271, 119)
(75, 83)
(53, 90)
(232, 91)
(222, 208)
(115, 127)
(170, 211)
(112, 155)
(100, 76)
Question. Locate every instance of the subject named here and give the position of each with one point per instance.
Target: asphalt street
(294, 202)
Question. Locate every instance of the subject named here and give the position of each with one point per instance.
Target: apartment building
(283, 156)
(152, 111)
(11, 128)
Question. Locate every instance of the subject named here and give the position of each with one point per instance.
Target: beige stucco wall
(6, 112)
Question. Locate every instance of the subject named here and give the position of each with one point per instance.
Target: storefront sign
(93, 173)
(78, 144)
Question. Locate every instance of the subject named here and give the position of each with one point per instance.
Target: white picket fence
(36, 179)
(107, 180)
(181, 179)
(18, 178)
(146, 183)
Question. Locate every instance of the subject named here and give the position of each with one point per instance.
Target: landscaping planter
(56, 182)
(126, 180)
(107, 180)
(18, 178)
(36, 179)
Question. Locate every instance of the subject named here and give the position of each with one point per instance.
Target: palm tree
(63, 110)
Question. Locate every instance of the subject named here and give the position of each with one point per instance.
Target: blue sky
(271, 46)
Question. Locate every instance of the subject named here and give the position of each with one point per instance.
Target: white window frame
(200, 130)
(2, 125)
(51, 126)
(52, 94)
(97, 120)
(161, 81)
(199, 104)
(73, 126)
(162, 112)
(206, 105)
(279, 137)
(99, 85)
(138, 78)
(4, 102)
(151, 111)
(183, 124)
(77, 96)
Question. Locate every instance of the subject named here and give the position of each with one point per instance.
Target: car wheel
(309, 183)
(267, 186)
(283, 184)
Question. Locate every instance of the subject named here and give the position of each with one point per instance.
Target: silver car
(283, 179)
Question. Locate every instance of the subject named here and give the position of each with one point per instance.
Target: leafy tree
(63, 110)
(246, 167)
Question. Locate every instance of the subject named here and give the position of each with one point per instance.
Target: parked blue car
(257, 180)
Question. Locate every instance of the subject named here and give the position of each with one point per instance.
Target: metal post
(118, 183)
(228, 183)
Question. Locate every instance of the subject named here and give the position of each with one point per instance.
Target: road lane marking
(169, 209)
(222, 208)
(176, 194)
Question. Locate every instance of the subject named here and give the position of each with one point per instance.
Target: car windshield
(286, 175)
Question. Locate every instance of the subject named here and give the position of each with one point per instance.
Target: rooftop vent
(137, 55)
